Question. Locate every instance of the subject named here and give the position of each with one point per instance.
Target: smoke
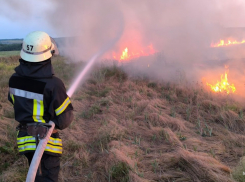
(180, 31)
(89, 25)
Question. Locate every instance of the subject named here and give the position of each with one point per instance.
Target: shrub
(238, 172)
(116, 73)
(152, 85)
(120, 172)
(10, 47)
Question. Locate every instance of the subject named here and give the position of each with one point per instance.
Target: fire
(128, 54)
(223, 86)
(125, 54)
(229, 42)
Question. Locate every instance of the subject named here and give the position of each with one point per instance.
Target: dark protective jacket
(38, 96)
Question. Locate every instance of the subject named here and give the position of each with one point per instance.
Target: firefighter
(38, 97)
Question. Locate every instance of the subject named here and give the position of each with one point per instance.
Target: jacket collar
(42, 69)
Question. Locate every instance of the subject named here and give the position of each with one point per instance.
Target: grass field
(11, 41)
(128, 129)
(9, 53)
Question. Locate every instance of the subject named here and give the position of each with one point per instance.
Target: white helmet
(36, 47)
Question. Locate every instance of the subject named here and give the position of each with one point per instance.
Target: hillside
(133, 129)
(11, 41)
(16, 44)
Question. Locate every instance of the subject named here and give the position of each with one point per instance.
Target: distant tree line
(10, 47)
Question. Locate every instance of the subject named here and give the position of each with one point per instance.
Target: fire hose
(43, 142)
(38, 155)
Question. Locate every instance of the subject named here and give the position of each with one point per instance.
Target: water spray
(42, 143)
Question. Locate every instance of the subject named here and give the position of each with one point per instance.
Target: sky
(18, 18)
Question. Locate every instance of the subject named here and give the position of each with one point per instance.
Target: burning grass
(128, 129)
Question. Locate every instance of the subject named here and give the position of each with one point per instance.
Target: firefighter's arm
(61, 108)
(63, 120)
(11, 98)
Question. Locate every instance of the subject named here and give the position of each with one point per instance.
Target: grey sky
(18, 18)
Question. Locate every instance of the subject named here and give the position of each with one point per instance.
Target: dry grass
(128, 129)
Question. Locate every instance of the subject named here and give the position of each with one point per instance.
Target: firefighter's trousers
(49, 169)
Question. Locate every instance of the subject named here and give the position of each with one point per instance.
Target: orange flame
(229, 42)
(126, 54)
(223, 85)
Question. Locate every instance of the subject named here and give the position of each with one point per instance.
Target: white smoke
(181, 31)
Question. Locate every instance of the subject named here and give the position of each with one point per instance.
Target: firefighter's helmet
(36, 47)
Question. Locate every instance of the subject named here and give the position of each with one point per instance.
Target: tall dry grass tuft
(231, 120)
(202, 167)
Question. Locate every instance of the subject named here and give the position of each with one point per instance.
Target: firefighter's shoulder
(56, 83)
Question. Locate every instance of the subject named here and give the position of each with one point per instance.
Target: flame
(223, 85)
(229, 42)
(126, 54)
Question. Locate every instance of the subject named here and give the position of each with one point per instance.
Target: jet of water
(89, 65)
